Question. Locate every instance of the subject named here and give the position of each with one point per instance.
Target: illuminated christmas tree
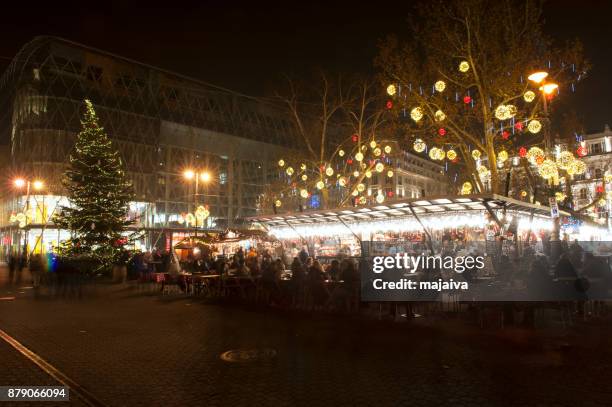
(99, 194)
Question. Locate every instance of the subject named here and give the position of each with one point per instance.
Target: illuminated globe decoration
(368, 174)
(529, 96)
(355, 192)
(483, 171)
(329, 171)
(419, 145)
(391, 90)
(534, 153)
(341, 153)
(390, 173)
(281, 163)
(577, 167)
(360, 187)
(355, 174)
(502, 156)
(362, 200)
(379, 167)
(548, 169)
(437, 154)
(342, 181)
(416, 114)
(278, 203)
(359, 156)
(320, 185)
(560, 196)
(289, 170)
(451, 154)
(505, 112)
(439, 115)
(377, 151)
(373, 144)
(440, 86)
(476, 154)
(466, 188)
(534, 126)
(304, 177)
(387, 149)
(581, 151)
(302, 166)
(601, 202)
(564, 160)
(380, 198)
(464, 66)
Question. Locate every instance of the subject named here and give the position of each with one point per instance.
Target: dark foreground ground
(133, 349)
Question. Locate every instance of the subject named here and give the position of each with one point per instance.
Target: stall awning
(403, 208)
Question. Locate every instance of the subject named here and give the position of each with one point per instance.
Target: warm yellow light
(304, 177)
(534, 126)
(466, 188)
(38, 185)
(387, 149)
(302, 166)
(440, 86)
(281, 163)
(380, 198)
(205, 176)
(391, 90)
(19, 182)
(355, 173)
(377, 151)
(304, 193)
(320, 185)
(548, 169)
(529, 96)
(278, 203)
(289, 171)
(362, 200)
(373, 144)
(355, 192)
(476, 154)
(329, 171)
(451, 154)
(564, 160)
(189, 174)
(380, 167)
(390, 173)
(439, 115)
(502, 156)
(359, 156)
(464, 66)
(549, 88)
(341, 153)
(537, 77)
(342, 181)
(368, 174)
(361, 187)
(419, 145)
(416, 114)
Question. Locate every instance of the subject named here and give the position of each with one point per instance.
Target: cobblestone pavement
(130, 349)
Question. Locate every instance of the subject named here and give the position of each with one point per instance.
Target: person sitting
(334, 270)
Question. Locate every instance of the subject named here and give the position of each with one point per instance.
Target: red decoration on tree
(505, 135)
(518, 126)
(389, 104)
(355, 138)
(467, 99)
(581, 151)
(349, 161)
(442, 131)
(390, 194)
(600, 189)
(539, 159)
(523, 152)
(455, 160)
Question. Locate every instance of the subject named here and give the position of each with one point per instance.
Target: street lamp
(538, 77)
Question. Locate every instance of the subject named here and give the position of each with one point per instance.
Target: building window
(596, 148)
(583, 193)
(597, 172)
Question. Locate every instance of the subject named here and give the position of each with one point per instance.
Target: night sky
(248, 46)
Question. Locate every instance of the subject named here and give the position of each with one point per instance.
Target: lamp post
(547, 88)
(20, 184)
(197, 176)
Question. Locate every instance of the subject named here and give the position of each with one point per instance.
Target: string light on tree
(534, 126)
(391, 90)
(476, 154)
(464, 66)
(416, 114)
(440, 86)
(419, 145)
